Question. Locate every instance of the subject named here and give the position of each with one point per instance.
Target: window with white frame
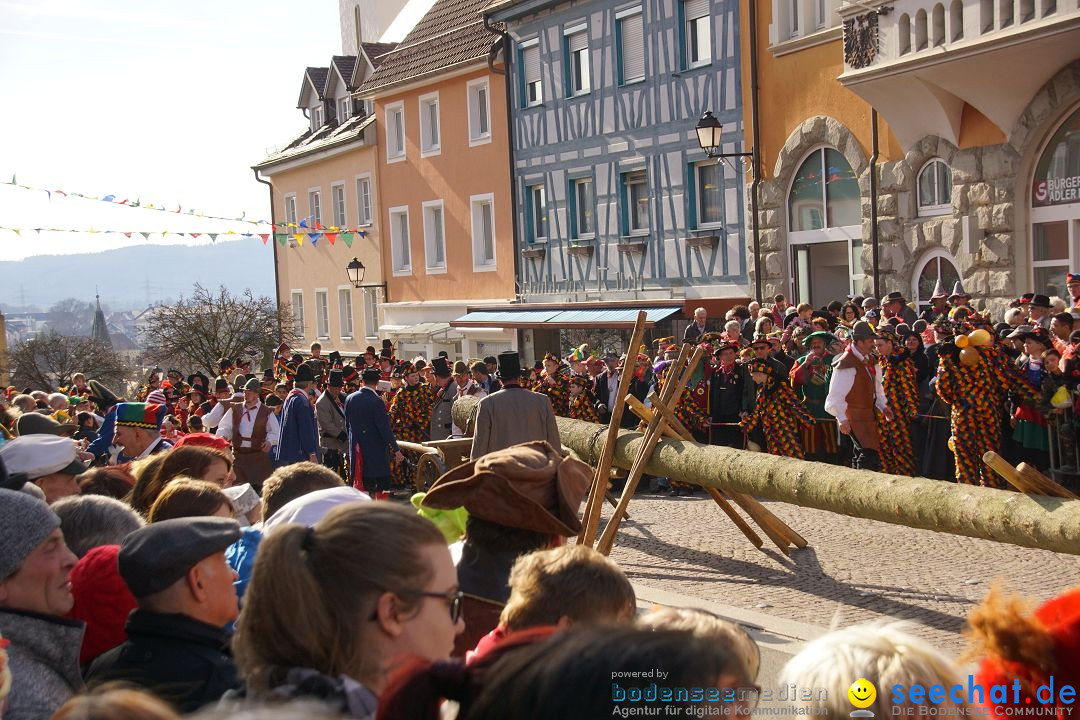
(582, 216)
(536, 199)
(697, 33)
(483, 231)
(636, 199)
(344, 109)
(935, 188)
(429, 124)
(479, 111)
(337, 193)
(297, 298)
(824, 195)
(531, 84)
(322, 314)
(577, 60)
(371, 312)
(345, 319)
(434, 236)
(400, 254)
(794, 21)
(290, 212)
(315, 207)
(316, 118)
(363, 200)
(395, 132)
(821, 11)
(631, 45)
(709, 194)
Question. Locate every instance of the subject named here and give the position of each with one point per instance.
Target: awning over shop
(618, 318)
(427, 329)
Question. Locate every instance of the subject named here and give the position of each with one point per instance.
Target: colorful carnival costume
(582, 406)
(974, 384)
(1030, 432)
(688, 409)
(558, 391)
(410, 419)
(810, 376)
(902, 396)
(778, 412)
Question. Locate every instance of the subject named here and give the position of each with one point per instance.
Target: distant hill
(133, 277)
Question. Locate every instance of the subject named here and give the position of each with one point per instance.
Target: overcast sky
(169, 103)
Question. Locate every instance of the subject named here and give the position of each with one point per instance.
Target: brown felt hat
(528, 486)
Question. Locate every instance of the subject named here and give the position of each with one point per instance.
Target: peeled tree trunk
(1027, 520)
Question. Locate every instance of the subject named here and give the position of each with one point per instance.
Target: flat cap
(40, 455)
(156, 556)
(25, 522)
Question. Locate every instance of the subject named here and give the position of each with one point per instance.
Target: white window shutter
(633, 48)
(531, 61)
(579, 41)
(695, 8)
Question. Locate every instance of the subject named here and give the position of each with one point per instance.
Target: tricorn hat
(102, 395)
(509, 365)
(528, 486)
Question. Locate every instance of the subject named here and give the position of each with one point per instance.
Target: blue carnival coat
(299, 431)
(368, 426)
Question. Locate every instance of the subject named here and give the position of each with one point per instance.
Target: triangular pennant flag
(265, 237)
(17, 231)
(108, 198)
(332, 237)
(145, 235)
(213, 237)
(49, 194)
(194, 235)
(347, 238)
(136, 203)
(314, 237)
(123, 202)
(127, 235)
(299, 238)
(303, 223)
(281, 238)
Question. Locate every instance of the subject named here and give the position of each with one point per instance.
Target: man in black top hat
(177, 646)
(442, 423)
(370, 437)
(299, 431)
(330, 413)
(513, 415)
(1039, 311)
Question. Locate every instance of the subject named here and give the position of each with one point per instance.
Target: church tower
(99, 330)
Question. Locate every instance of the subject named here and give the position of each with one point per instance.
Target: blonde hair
(883, 653)
(115, 701)
(708, 626)
(338, 586)
(573, 581)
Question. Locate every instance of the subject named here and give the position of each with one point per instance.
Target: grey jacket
(510, 417)
(44, 661)
(331, 422)
(442, 423)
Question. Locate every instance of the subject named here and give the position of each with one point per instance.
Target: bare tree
(195, 332)
(71, 317)
(48, 361)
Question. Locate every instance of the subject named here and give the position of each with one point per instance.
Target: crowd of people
(220, 548)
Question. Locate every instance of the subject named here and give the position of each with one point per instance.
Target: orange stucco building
(972, 98)
(444, 180)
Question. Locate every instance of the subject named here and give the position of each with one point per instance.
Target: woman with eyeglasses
(332, 609)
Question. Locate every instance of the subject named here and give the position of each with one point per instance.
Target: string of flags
(310, 235)
(307, 229)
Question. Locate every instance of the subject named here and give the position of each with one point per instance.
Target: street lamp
(709, 134)
(355, 270)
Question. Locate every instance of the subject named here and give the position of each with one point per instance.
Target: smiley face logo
(862, 693)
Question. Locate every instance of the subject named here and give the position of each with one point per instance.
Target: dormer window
(316, 118)
(344, 109)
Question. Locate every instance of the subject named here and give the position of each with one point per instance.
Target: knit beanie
(25, 522)
(102, 601)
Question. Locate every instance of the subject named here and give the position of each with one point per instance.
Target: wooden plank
(1045, 485)
(601, 478)
(1002, 467)
(672, 388)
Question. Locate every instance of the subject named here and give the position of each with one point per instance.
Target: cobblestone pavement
(854, 570)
